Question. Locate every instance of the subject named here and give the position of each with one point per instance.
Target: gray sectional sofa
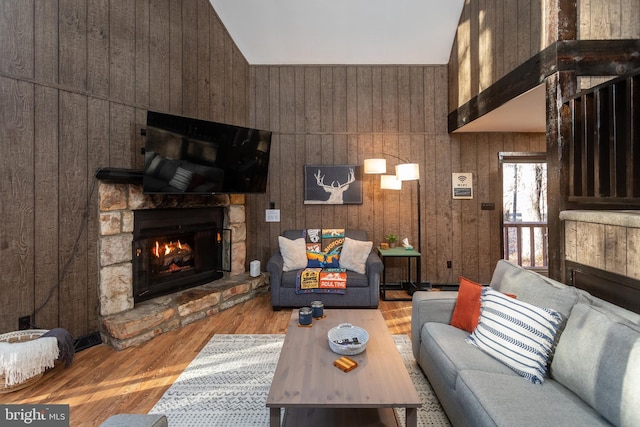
(363, 290)
(593, 377)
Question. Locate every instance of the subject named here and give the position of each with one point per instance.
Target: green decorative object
(392, 239)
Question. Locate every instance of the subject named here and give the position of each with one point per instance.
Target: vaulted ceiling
(342, 31)
(372, 32)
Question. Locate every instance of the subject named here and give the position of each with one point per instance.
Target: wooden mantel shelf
(120, 175)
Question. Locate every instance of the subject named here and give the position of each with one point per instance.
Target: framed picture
(332, 185)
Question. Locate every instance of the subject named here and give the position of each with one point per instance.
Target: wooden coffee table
(314, 392)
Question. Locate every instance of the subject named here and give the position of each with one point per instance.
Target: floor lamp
(404, 172)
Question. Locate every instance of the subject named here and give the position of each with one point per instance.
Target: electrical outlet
(449, 264)
(24, 322)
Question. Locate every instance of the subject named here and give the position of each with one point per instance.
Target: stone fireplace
(176, 249)
(127, 320)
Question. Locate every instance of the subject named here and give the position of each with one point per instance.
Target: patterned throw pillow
(181, 179)
(332, 240)
(518, 334)
(323, 247)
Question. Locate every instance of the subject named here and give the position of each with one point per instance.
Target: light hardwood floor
(102, 381)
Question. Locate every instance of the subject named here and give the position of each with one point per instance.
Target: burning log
(171, 256)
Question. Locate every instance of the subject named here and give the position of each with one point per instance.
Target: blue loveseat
(363, 290)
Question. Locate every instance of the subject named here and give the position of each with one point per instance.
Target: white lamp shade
(375, 166)
(408, 172)
(390, 182)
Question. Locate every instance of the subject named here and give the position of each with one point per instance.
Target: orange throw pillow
(467, 310)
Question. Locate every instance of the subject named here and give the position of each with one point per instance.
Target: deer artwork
(335, 190)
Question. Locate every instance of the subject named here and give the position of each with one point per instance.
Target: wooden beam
(581, 57)
(526, 76)
(598, 57)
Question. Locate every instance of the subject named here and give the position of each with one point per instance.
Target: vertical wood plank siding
(76, 79)
(494, 37)
(345, 114)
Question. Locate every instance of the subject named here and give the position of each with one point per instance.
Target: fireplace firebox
(175, 249)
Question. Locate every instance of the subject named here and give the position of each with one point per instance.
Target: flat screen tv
(184, 155)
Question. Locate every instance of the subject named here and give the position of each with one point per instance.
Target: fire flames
(170, 248)
(172, 256)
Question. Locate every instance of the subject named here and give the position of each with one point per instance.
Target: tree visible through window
(524, 190)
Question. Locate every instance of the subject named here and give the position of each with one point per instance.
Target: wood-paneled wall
(492, 39)
(495, 38)
(335, 115)
(76, 79)
(607, 20)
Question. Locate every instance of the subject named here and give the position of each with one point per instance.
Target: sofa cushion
(598, 357)
(518, 334)
(491, 399)
(533, 288)
(446, 345)
(467, 309)
(294, 253)
(626, 316)
(354, 255)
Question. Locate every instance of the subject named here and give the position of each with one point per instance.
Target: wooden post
(558, 85)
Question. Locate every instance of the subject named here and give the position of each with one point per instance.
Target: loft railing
(603, 141)
(526, 244)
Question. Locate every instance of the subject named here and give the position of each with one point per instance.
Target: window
(524, 208)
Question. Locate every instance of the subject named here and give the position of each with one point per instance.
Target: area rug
(228, 382)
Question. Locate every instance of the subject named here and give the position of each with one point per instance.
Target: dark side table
(408, 286)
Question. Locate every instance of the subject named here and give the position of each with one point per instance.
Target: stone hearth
(163, 314)
(123, 324)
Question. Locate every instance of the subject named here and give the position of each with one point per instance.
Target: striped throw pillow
(181, 179)
(518, 334)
